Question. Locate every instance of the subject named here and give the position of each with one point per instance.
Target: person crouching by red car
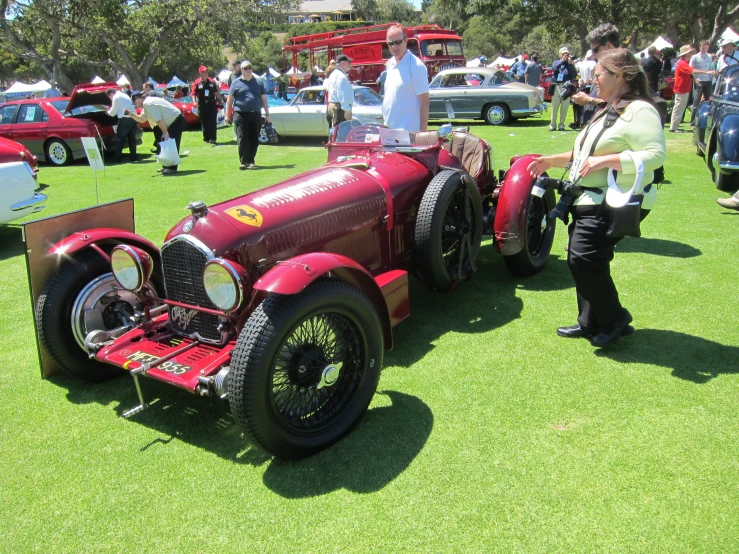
(247, 97)
(162, 114)
(205, 93)
(126, 131)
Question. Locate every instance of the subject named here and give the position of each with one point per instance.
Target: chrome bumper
(523, 112)
(30, 203)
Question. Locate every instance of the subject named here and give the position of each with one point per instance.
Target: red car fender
(102, 236)
(293, 275)
(510, 212)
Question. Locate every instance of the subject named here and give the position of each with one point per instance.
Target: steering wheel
(358, 134)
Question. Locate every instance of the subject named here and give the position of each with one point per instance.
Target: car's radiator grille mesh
(183, 265)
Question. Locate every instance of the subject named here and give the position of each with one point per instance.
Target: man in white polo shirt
(406, 102)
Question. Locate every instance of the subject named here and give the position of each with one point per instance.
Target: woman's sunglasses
(395, 42)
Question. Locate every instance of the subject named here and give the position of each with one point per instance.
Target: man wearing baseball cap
(205, 93)
(563, 71)
(683, 85)
(728, 55)
(340, 92)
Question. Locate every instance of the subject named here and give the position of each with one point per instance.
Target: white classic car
(19, 194)
(305, 115)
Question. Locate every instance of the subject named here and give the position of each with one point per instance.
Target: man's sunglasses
(395, 42)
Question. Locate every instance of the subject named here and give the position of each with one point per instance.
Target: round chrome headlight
(131, 267)
(224, 284)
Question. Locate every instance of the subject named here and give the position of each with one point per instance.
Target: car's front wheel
(305, 368)
(57, 152)
(496, 114)
(538, 237)
(80, 297)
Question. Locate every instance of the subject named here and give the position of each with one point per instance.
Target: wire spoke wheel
(305, 367)
(317, 372)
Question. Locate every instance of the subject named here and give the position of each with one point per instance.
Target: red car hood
(89, 94)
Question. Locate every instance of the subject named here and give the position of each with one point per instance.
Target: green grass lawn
(488, 433)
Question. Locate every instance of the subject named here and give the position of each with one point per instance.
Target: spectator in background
(236, 74)
(205, 94)
(53, 92)
(127, 90)
(315, 80)
(515, 69)
(683, 84)
(652, 69)
(380, 82)
(126, 129)
(178, 93)
(406, 102)
(728, 55)
(585, 70)
(563, 71)
(533, 72)
(340, 93)
(701, 83)
(162, 115)
(282, 83)
(247, 97)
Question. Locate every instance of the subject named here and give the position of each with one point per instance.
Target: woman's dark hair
(623, 61)
(606, 32)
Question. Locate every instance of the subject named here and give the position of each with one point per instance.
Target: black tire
(279, 388)
(496, 114)
(726, 182)
(60, 307)
(448, 231)
(57, 152)
(538, 237)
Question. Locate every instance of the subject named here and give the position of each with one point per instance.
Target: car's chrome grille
(183, 262)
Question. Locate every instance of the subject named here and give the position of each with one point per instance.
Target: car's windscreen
(454, 48)
(367, 97)
(61, 106)
(355, 132)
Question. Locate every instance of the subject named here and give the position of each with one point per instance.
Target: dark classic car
(282, 301)
(716, 133)
(482, 93)
(51, 128)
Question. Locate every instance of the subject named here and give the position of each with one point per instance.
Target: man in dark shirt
(652, 68)
(205, 93)
(247, 97)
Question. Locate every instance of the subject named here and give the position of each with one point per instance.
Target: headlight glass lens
(126, 270)
(221, 287)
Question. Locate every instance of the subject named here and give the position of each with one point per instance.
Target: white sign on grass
(93, 154)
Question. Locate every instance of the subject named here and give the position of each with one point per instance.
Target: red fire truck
(367, 47)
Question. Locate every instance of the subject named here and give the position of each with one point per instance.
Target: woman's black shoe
(575, 332)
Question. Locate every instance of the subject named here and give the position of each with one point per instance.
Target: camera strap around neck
(610, 116)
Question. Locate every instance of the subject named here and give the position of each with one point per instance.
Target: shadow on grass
(185, 172)
(658, 247)
(691, 358)
(11, 241)
(380, 448)
(202, 422)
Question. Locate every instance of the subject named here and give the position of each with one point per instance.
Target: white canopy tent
(122, 81)
(224, 75)
(659, 43)
(273, 72)
(729, 34)
(296, 72)
(500, 61)
(23, 88)
(96, 80)
(473, 63)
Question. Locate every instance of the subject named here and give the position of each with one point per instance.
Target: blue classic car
(716, 133)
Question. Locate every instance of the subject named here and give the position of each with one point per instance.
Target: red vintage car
(11, 151)
(283, 301)
(51, 128)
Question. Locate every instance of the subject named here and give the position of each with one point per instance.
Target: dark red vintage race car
(283, 301)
